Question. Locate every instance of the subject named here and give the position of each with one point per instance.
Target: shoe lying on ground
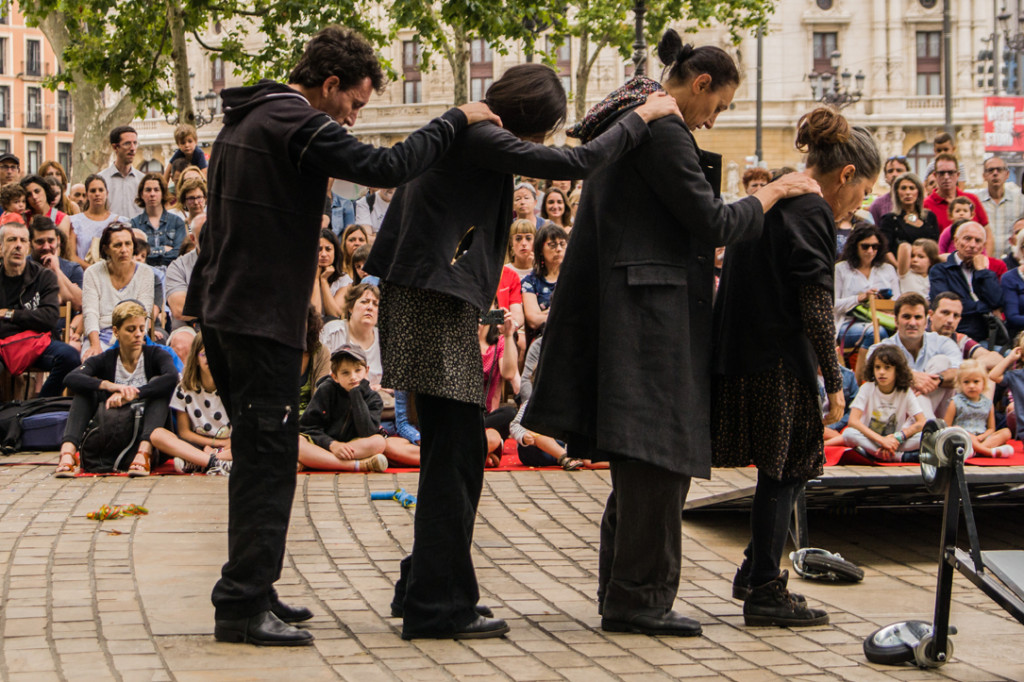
(772, 604)
(263, 629)
(672, 623)
(741, 586)
(480, 628)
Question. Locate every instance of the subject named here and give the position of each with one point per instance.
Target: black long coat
(626, 362)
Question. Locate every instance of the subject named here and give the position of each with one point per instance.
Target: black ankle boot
(772, 604)
(741, 584)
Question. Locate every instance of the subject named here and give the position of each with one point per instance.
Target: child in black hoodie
(341, 426)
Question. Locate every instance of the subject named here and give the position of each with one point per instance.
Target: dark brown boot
(772, 604)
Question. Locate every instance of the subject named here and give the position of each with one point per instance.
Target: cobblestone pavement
(129, 599)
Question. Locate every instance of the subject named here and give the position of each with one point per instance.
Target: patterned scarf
(629, 95)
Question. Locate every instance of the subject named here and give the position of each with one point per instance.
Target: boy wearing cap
(342, 421)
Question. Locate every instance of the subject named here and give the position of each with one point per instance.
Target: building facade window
(3, 55)
(824, 45)
(217, 74)
(481, 68)
(33, 155)
(563, 61)
(5, 106)
(929, 62)
(63, 112)
(64, 156)
(33, 58)
(411, 52)
(5, 146)
(33, 108)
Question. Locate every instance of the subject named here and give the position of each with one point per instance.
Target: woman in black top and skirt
(439, 256)
(765, 408)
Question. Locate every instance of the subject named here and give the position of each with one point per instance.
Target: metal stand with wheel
(943, 451)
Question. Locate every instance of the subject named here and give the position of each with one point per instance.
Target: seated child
(913, 264)
(341, 424)
(536, 450)
(972, 410)
(12, 198)
(894, 418)
(832, 431)
(1009, 374)
(203, 442)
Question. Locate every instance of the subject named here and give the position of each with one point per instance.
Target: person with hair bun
(630, 319)
(778, 290)
(439, 256)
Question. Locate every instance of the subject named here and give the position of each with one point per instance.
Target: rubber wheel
(885, 647)
(923, 655)
(843, 569)
(936, 478)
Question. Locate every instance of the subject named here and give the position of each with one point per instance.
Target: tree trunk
(583, 75)
(458, 58)
(179, 57)
(91, 145)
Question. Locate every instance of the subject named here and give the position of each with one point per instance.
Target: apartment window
(33, 108)
(3, 55)
(563, 61)
(5, 146)
(64, 156)
(5, 106)
(63, 112)
(413, 93)
(929, 62)
(824, 45)
(33, 58)
(5, 14)
(34, 155)
(481, 68)
(217, 74)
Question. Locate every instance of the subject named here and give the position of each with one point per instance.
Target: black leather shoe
(481, 628)
(263, 629)
(671, 623)
(290, 614)
(741, 586)
(485, 611)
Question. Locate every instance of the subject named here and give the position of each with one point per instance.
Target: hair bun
(669, 47)
(822, 127)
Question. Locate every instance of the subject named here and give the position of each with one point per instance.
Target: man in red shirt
(947, 174)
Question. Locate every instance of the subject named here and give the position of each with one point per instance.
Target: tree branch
(160, 51)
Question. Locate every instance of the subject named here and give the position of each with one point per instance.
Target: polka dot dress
(205, 411)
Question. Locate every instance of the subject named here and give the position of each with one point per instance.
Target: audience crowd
(117, 252)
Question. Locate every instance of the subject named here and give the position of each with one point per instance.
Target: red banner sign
(1004, 124)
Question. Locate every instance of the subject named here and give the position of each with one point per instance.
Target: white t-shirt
(205, 411)
(343, 281)
(335, 335)
(885, 413)
(125, 378)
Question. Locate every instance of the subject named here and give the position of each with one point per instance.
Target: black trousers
(258, 380)
(85, 404)
(770, 516)
(641, 540)
(437, 588)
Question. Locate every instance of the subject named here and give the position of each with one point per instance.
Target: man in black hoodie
(29, 301)
(252, 282)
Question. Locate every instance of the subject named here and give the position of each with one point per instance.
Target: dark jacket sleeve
(680, 184)
(498, 149)
(94, 371)
(365, 405)
(986, 286)
(44, 317)
(941, 278)
(323, 146)
(1013, 291)
(316, 419)
(161, 374)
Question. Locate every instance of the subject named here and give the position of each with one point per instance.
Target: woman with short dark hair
(439, 256)
(164, 231)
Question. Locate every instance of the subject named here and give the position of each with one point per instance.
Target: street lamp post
(833, 87)
(205, 110)
(640, 42)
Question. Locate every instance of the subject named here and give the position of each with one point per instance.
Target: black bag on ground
(13, 413)
(112, 438)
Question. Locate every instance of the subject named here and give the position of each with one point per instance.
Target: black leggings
(85, 404)
(769, 525)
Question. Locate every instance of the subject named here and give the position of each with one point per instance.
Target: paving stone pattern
(129, 599)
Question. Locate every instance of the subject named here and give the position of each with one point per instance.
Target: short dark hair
(944, 296)
(41, 223)
(943, 138)
(946, 156)
(891, 355)
(342, 52)
(752, 174)
(116, 133)
(12, 191)
(685, 62)
(851, 250)
(151, 177)
(545, 233)
(529, 98)
(355, 292)
(911, 298)
(108, 234)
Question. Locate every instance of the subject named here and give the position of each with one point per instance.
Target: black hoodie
(36, 306)
(268, 178)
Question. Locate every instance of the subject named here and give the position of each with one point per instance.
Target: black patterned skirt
(429, 344)
(769, 419)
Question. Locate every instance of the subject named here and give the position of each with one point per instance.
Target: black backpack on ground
(112, 438)
(12, 414)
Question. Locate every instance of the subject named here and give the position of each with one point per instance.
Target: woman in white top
(359, 327)
(862, 270)
(117, 278)
(89, 225)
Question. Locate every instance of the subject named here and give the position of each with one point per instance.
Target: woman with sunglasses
(861, 271)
